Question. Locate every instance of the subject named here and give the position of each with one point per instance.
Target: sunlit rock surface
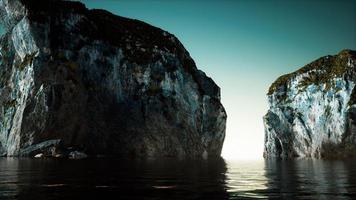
(73, 79)
(312, 112)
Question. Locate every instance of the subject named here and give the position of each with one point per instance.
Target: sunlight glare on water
(243, 177)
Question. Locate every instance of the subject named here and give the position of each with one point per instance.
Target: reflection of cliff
(309, 178)
(282, 178)
(45, 179)
(9, 179)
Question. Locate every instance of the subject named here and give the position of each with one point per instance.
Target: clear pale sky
(245, 45)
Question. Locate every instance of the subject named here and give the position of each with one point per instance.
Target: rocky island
(312, 112)
(75, 81)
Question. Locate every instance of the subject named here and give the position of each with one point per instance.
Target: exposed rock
(102, 84)
(40, 155)
(58, 155)
(77, 155)
(312, 112)
(47, 147)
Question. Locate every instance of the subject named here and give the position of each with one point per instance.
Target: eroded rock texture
(87, 80)
(312, 112)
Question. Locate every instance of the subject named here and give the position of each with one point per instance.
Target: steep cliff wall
(79, 79)
(312, 112)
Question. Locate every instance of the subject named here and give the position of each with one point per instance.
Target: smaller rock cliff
(312, 112)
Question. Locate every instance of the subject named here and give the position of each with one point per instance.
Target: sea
(113, 178)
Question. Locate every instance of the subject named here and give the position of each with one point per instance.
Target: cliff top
(139, 39)
(327, 67)
(141, 43)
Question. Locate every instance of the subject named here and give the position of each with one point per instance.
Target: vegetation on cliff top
(140, 41)
(327, 67)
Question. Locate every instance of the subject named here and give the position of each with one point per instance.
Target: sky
(244, 46)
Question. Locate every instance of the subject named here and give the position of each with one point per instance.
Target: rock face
(312, 112)
(73, 79)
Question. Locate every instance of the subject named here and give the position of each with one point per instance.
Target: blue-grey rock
(102, 84)
(312, 112)
(76, 155)
(40, 148)
(40, 155)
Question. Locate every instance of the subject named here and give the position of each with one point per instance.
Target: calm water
(48, 179)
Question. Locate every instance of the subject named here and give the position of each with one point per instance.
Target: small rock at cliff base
(102, 84)
(77, 155)
(40, 155)
(312, 112)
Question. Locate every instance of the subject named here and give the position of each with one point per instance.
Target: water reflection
(67, 179)
(9, 178)
(169, 179)
(307, 178)
(246, 179)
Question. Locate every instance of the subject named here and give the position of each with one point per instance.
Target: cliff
(312, 112)
(74, 79)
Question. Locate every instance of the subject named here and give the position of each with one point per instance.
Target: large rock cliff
(73, 79)
(312, 112)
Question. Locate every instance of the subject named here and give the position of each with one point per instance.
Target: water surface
(49, 179)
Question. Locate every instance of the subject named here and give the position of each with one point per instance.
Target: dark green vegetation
(140, 39)
(27, 60)
(320, 71)
(336, 151)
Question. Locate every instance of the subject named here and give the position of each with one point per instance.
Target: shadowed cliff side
(73, 79)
